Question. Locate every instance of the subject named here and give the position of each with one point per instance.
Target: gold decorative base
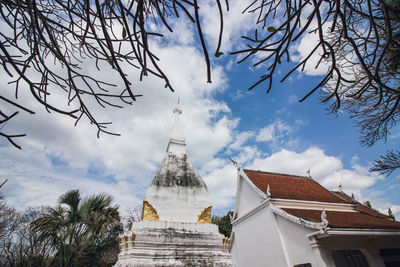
(205, 215)
(149, 213)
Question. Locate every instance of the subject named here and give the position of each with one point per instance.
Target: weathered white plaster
(178, 193)
(161, 243)
(190, 227)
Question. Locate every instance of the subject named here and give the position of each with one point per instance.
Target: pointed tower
(177, 193)
(175, 228)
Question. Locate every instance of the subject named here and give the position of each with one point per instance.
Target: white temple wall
(296, 242)
(257, 242)
(247, 198)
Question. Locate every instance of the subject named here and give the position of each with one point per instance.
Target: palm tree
(82, 232)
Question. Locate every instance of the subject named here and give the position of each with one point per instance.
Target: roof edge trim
(298, 220)
(261, 206)
(357, 231)
(312, 205)
(243, 174)
(354, 232)
(277, 173)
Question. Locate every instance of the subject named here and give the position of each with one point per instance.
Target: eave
(280, 212)
(298, 220)
(353, 232)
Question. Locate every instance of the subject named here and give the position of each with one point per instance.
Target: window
(349, 258)
(391, 257)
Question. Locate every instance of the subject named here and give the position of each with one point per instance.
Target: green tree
(224, 223)
(82, 232)
(19, 244)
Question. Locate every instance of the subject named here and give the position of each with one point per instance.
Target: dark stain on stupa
(177, 171)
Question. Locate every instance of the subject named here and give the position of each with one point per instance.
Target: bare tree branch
(387, 163)
(55, 39)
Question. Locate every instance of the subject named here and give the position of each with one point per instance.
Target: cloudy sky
(222, 120)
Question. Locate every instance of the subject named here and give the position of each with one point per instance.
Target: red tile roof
(303, 188)
(361, 207)
(339, 219)
(292, 187)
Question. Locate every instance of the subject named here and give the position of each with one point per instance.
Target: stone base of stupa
(155, 243)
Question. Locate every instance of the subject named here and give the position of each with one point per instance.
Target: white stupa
(175, 229)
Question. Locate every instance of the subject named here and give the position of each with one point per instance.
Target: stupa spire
(177, 144)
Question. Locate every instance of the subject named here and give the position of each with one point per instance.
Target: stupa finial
(178, 108)
(176, 144)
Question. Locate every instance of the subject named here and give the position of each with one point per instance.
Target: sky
(220, 120)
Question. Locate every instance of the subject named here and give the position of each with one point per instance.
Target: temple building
(175, 228)
(289, 220)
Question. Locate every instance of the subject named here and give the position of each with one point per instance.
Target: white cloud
(309, 41)
(242, 149)
(183, 32)
(240, 139)
(237, 95)
(266, 134)
(395, 209)
(247, 154)
(221, 182)
(292, 99)
(290, 162)
(235, 23)
(303, 49)
(278, 133)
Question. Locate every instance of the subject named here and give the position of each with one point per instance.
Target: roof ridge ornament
(340, 189)
(353, 198)
(268, 191)
(235, 164)
(324, 220)
(390, 213)
(309, 173)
